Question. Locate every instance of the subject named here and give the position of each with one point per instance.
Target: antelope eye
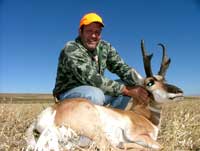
(150, 83)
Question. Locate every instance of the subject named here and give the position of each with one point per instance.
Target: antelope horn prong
(146, 60)
(165, 62)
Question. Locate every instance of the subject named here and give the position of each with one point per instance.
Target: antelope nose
(173, 89)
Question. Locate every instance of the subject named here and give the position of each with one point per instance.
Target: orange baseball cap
(90, 18)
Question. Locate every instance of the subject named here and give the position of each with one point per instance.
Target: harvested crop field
(180, 122)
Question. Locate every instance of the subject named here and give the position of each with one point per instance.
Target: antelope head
(156, 84)
(161, 91)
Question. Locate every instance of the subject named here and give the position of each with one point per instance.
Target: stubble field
(180, 121)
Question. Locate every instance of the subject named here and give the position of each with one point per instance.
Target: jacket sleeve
(115, 64)
(81, 67)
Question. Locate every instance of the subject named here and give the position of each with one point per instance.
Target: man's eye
(88, 31)
(93, 32)
(98, 32)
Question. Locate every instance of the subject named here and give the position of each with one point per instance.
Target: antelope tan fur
(136, 128)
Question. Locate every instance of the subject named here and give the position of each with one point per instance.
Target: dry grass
(14, 120)
(180, 125)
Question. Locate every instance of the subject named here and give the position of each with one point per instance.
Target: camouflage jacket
(77, 66)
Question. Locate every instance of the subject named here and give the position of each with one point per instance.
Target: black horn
(165, 62)
(146, 60)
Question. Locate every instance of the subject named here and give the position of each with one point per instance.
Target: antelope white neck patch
(160, 96)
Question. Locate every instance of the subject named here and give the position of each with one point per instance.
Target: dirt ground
(179, 131)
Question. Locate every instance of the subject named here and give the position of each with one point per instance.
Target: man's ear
(79, 31)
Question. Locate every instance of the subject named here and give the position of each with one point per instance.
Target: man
(82, 64)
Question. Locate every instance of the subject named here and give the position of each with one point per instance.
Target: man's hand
(138, 93)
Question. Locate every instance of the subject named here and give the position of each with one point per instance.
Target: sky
(33, 32)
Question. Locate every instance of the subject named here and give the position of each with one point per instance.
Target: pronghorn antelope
(136, 128)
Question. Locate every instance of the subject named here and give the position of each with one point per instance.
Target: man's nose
(94, 35)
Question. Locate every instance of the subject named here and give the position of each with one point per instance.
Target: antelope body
(136, 128)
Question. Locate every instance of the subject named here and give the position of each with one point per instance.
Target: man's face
(90, 35)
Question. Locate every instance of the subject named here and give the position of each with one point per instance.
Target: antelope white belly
(112, 125)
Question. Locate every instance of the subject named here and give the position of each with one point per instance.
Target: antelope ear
(158, 77)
